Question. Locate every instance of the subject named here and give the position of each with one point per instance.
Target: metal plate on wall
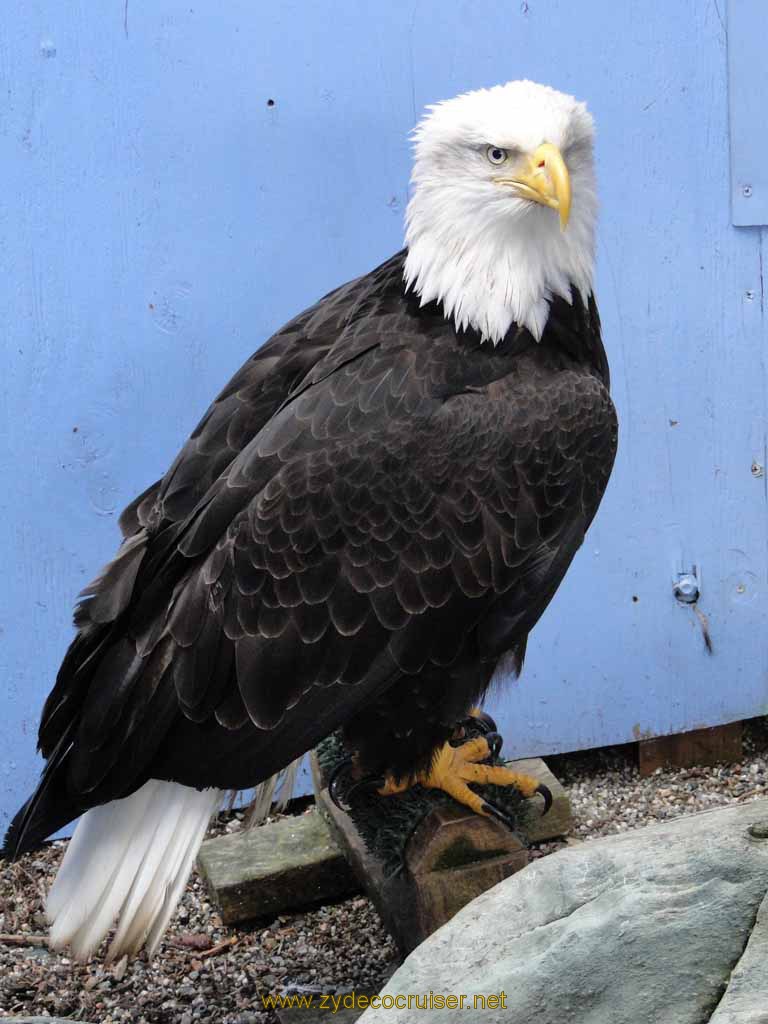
(747, 98)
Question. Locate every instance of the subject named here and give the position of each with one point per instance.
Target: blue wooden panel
(747, 91)
(158, 218)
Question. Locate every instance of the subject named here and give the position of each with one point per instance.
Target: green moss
(463, 852)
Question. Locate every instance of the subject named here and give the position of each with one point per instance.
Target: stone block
(285, 865)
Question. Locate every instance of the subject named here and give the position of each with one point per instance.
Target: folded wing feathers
(129, 861)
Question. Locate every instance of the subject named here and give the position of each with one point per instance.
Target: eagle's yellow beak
(544, 178)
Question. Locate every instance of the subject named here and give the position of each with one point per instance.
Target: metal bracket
(747, 92)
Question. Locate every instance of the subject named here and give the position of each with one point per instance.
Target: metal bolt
(759, 830)
(749, 295)
(746, 191)
(686, 588)
(757, 469)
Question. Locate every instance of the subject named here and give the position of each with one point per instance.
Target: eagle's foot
(453, 768)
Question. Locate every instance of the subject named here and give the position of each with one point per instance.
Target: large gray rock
(746, 999)
(644, 928)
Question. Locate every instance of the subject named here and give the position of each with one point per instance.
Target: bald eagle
(368, 521)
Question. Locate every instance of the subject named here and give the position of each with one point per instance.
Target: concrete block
(288, 864)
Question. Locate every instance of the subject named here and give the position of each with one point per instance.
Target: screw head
(686, 588)
(746, 191)
(757, 470)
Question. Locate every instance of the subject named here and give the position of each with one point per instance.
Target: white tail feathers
(129, 862)
(263, 794)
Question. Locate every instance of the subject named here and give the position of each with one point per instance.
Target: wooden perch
(452, 857)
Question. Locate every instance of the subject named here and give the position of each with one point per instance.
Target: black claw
(333, 781)
(547, 794)
(349, 789)
(368, 782)
(494, 811)
(495, 742)
(481, 722)
(484, 721)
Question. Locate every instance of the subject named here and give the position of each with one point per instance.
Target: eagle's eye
(496, 155)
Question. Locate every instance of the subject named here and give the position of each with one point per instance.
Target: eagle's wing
(152, 521)
(237, 414)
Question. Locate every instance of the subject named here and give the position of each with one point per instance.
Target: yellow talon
(453, 767)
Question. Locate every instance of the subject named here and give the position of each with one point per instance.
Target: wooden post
(452, 857)
(686, 749)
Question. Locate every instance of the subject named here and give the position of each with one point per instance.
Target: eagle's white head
(503, 210)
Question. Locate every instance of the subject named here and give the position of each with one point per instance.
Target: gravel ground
(208, 973)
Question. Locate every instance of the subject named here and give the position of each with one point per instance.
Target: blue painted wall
(158, 218)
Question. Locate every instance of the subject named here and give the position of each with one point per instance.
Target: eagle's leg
(453, 768)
